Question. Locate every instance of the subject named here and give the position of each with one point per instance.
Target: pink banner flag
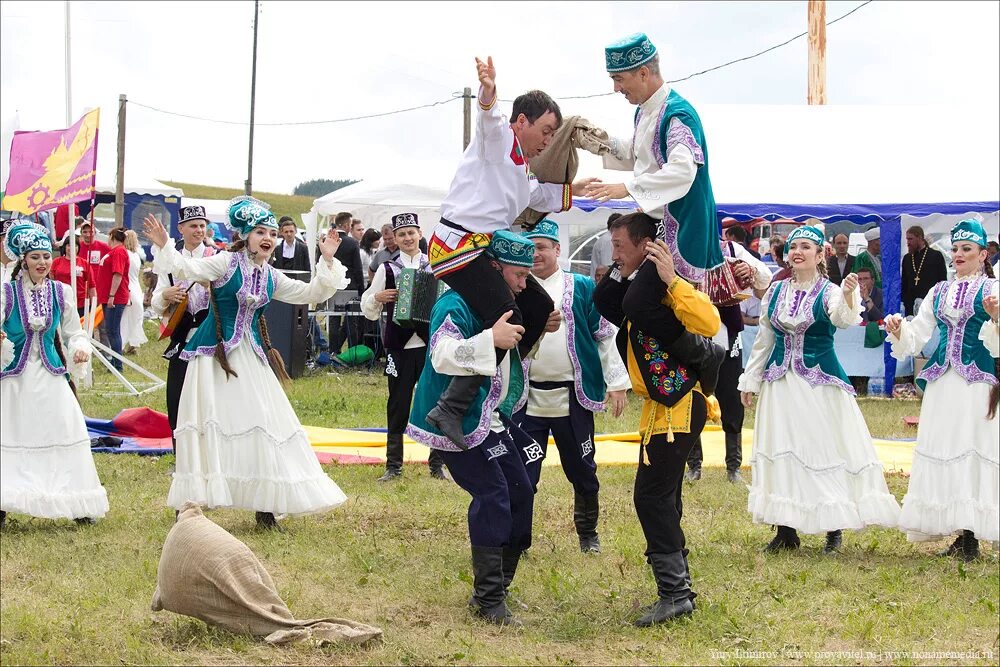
(48, 169)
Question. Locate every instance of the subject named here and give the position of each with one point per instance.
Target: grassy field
(281, 204)
(397, 557)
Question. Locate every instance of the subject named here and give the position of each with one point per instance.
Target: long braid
(991, 408)
(273, 356)
(220, 348)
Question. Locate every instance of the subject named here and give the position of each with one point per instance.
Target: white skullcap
(872, 234)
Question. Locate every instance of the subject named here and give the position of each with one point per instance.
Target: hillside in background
(292, 205)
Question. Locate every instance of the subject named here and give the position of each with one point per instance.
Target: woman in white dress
(814, 465)
(955, 479)
(239, 443)
(46, 468)
(133, 335)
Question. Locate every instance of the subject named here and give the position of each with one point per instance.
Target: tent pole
(120, 177)
(817, 52)
(253, 96)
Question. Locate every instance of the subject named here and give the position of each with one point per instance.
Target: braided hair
(994, 402)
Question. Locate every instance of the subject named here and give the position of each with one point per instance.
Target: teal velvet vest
(958, 344)
(690, 224)
(452, 318)
(241, 295)
(49, 302)
(585, 328)
(808, 348)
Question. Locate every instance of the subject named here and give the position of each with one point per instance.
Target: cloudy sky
(330, 60)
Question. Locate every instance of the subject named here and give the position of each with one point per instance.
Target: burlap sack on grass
(207, 573)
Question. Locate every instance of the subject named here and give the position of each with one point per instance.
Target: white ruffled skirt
(814, 464)
(955, 478)
(132, 331)
(46, 467)
(240, 444)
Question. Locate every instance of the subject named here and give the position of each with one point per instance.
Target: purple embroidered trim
(8, 300)
(448, 329)
(655, 147)
(567, 313)
(198, 299)
(16, 293)
(679, 133)
(473, 439)
(956, 333)
(523, 400)
(685, 270)
(795, 340)
(244, 310)
(234, 261)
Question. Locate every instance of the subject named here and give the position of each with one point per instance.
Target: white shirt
(492, 185)
(288, 249)
(372, 309)
(652, 186)
(761, 280)
(196, 294)
(552, 362)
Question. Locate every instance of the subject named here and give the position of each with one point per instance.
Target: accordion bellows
(418, 292)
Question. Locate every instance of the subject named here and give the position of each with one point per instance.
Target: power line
(301, 122)
(725, 64)
(457, 96)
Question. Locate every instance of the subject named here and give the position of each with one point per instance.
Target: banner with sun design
(48, 169)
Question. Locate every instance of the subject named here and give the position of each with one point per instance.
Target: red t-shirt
(92, 254)
(116, 261)
(84, 276)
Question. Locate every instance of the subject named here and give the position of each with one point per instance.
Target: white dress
(239, 442)
(132, 333)
(955, 478)
(46, 467)
(814, 464)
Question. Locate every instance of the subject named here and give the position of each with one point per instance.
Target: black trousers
(483, 288)
(503, 499)
(402, 369)
(728, 394)
(176, 370)
(657, 493)
(574, 436)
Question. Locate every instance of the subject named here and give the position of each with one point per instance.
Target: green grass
(397, 556)
(293, 205)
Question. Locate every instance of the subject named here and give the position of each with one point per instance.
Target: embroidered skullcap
(545, 229)
(26, 237)
(246, 212)
(189, 213)
(807, 232)
(629, 53)
(510, 248)
(872, 234)
(405, 220)
(969, 230)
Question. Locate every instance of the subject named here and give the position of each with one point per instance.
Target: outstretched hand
(154, 230)
(329, 245)
(487, 75)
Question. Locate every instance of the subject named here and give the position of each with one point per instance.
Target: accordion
(723, 287)
(418, 292)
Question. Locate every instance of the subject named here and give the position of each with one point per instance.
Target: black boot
(510, 558)
(586, 510)
(687, 578)
(266, 521)
(488, 586)
(693, 473)
(954, 549)
(734, 457)
(390, 474)
(447, 415)
(84, 521)
(834, 539)
(786, 538)
(970, 546)
(702, 356)
(672, 588)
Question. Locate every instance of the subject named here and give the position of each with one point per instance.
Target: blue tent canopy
(887, 216)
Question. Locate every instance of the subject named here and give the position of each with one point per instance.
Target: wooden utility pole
(817, 52)
(120, 178)
(253, 95)
(467, 110)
